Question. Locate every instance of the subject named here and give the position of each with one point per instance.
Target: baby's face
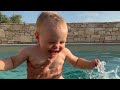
(53, 39)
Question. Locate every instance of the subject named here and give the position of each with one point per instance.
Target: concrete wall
(107, 32)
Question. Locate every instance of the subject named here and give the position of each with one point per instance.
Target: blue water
(110, 54)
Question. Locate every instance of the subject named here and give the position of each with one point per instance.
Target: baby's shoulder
(66, 51)
(28, 49)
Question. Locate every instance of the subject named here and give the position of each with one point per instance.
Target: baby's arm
(80, 62)
(13, 61)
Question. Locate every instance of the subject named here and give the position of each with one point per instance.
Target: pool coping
(66, 44)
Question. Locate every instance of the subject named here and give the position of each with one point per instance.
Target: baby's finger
(97, 60)
(96, 65)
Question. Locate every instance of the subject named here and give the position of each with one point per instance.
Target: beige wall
(78, 33)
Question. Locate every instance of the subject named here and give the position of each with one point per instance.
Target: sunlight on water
(102, 73)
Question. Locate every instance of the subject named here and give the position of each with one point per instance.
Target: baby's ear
(37, 35)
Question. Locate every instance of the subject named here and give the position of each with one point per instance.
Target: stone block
(91, 25)
(114, 37)
(117, 25)
(118, 37)
(75, 33)
(32, 32)
(108, 33)
(82, 32)
(16, 27)
(107, 38)
(115, 33)
(108, 29)
(25, 39)
(101, 32)
(89, 31)
(115, 29)
(2, 33)
(70, 34)
(98, 29)
(32, 28)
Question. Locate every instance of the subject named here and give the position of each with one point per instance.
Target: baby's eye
(62, 42)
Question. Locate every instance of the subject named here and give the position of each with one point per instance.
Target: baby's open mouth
(53, 51)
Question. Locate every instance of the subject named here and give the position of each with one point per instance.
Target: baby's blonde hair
(51, 16)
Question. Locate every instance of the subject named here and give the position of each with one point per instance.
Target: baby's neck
(45, 55)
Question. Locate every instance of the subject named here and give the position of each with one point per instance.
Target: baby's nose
(56, 46)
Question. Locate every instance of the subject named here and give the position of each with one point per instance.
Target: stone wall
(17, 33)
(107, 32)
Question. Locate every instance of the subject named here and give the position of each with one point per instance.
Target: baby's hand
(95, 63)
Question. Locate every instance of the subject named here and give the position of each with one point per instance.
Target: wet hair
(52, 17)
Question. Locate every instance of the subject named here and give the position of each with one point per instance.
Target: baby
(45, 59)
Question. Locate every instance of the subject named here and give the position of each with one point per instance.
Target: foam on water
(102, 73)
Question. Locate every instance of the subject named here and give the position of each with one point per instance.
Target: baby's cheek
(63, 46)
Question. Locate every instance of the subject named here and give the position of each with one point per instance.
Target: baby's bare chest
(40, 61)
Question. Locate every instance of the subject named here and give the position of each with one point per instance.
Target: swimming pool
(109, 53)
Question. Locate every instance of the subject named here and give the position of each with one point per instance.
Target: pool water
(107, 53)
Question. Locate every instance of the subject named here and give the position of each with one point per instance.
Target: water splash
(102, 73)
